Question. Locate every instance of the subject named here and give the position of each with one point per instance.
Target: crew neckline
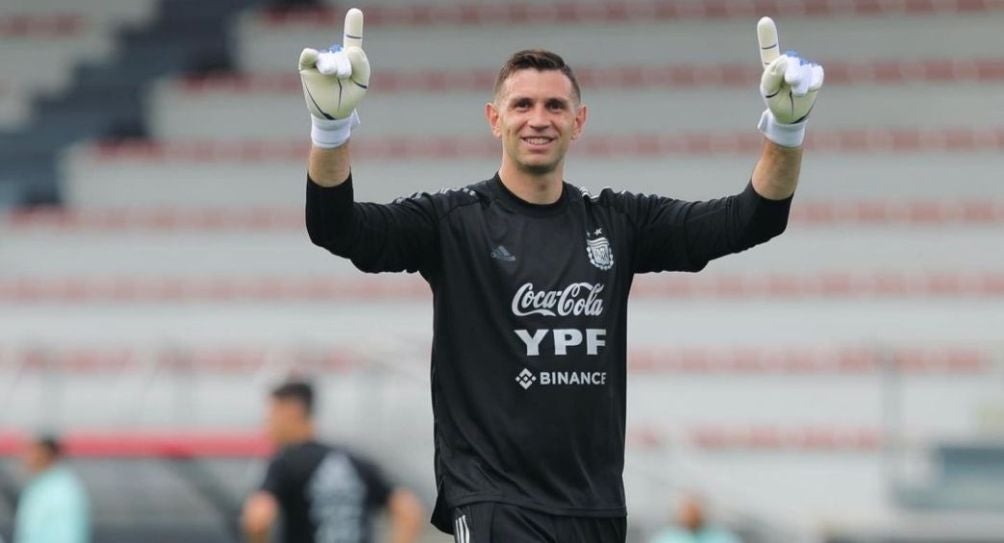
(522, 206)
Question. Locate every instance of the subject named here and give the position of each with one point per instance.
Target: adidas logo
(503, 254)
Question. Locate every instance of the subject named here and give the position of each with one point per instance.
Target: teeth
(537, 141)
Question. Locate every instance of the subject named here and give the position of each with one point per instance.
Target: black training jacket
(530, 307)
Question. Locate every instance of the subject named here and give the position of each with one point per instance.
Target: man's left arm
(776, 173)
(674, 235)
(788, 85)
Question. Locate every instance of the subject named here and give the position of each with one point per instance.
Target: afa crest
(599, 251)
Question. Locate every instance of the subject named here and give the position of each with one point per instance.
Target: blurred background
(844, 383)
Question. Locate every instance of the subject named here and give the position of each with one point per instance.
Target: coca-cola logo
(577, 299)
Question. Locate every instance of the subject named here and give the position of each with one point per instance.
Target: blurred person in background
(692, 526)
(530, 278)
(54, 507)
(321, 493)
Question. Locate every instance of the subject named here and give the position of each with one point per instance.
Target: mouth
(537, 142)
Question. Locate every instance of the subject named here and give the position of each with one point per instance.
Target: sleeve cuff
(331, 133)
(329, 202)
(345, 186)
(328, 212)
(766, 218)
(752, 196)
(785, 135)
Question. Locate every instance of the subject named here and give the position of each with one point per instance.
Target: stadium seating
(43, 44)
(798, 384)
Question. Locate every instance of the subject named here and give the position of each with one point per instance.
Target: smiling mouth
(537, 140)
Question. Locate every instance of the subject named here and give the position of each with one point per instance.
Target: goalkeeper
(530, 278)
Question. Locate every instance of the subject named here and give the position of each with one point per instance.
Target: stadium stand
(842, 383)
(87, 70)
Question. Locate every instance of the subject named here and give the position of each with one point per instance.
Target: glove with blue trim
(789, 85)
(334, 82)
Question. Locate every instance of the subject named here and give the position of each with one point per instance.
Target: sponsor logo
(562, 339)
(599, 251)
(503, 254)
(526, 378)
(577, 299)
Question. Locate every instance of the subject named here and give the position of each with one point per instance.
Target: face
(282, 420)
(36, 458)
(690, 515)
(536, 116)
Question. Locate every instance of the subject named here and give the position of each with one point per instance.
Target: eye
(521, 104)
(556, 105)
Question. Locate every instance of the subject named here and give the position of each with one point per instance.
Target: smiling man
(530, 278)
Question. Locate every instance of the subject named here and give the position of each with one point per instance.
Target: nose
(539, 119)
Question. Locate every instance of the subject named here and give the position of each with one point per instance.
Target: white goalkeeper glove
(789, 85)
(334, 82)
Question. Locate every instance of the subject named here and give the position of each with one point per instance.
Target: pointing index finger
(353, 33)
(770, 45)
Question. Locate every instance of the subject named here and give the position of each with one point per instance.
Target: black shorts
(501, 523)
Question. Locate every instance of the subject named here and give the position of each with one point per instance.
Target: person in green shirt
(53, 508)
(693, 527)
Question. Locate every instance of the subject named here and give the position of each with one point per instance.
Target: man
(530, 278)
(324, 493)
(54, 507)
(693, 527)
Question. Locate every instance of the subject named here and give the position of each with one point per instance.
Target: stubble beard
(539, 169)
(543, 168)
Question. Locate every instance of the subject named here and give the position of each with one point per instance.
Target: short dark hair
(301, 392)
(51, 444)
(536, 59)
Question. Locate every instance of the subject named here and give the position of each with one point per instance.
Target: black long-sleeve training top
(530, 307)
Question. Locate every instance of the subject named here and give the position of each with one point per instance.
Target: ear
(580, 121)
(492, 116)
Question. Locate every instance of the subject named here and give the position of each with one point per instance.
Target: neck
(540, 189)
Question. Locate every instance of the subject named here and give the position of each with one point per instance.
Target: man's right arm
(334, 82)
(406, 514)
(401, 236)
(395, 237)
(261, 509)
(329, 167)
(258, 516)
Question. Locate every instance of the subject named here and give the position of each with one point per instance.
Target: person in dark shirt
(323, 493)
(530, 277)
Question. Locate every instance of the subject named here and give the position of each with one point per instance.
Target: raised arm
(789, 85)
(401, 236)
(395, 237)
(776, 173)
(334, 82)
(329, 167)
(677, 235)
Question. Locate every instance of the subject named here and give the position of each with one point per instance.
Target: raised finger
(770, 44)
(353, 32)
